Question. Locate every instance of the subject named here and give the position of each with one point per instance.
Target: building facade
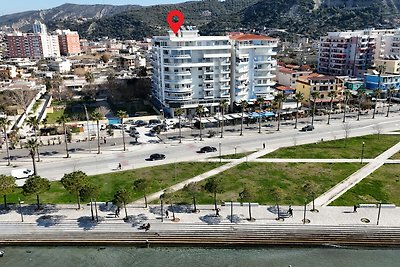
(69, 42)
(253, 67)
(322, 84)
(189, 69)
(32, 45)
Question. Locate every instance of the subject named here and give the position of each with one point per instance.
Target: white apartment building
(253, 67)
(50, 46)
(189, 69)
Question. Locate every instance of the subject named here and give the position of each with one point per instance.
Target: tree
(35, 185)
(214, 186)
(34, 123)
(332, 95)
(222, 106)
(246, 195)
(142, 185)
(179, 113)
(121, 198)
(346, 128)
(192, 189)
(299, 97)
(377, 95)
(63, 119)
(314, 95)
(89, 77)
(90, 192)
(260, 101)
(200, 112)
(243, 105)
(56, 83)
(279, 98)
(360, 95)
(22, 98)
(390, 95)
(105, 57)
(310, 190)
(32, 145)
(74, 182)
(347, 95)
(7, 186)
(4, 124)
(97, 117)
(121, 115)
(90, 90)
(276, 193)
(169, 198)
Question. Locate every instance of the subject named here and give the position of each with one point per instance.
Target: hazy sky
(8, 7)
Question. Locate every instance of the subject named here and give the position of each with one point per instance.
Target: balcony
(178, 90)
(179, 81)
(178, 98)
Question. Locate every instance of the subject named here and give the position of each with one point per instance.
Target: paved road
(53, 167)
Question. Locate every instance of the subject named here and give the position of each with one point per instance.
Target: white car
(21, 173)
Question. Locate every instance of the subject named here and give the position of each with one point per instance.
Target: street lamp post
(379, 212)
(162, 210)
(362, 152)
(220, 157)
(305, 210)
(235, 150)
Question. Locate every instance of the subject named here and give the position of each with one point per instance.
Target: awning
(254, 115)
(227, 117)
(268, 114)
(203, 120)
(212, 120)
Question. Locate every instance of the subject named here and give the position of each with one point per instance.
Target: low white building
(60, 65)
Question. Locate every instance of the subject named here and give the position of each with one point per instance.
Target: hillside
(311, 18)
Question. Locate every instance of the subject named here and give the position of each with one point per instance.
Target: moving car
(156, 156)
(207, 149)
(21, 173)
(307, 128)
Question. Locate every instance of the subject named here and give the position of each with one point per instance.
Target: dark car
(156, 156)
(140, 123)
(207, 149)
(307, 128)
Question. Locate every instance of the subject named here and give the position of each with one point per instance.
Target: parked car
(207, 149)
(21, 173)
(307, 128)
(140, 123)
(156, 156)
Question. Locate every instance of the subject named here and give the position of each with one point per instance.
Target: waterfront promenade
(63, 224)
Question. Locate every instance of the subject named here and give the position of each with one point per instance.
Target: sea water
(19, 256)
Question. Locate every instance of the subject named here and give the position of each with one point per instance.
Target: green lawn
(337, 149)
(396, 156)
(382, 185)
(261, 177)
(160, 177)
(52, 117)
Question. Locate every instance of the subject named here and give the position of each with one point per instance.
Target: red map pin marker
(175, 25)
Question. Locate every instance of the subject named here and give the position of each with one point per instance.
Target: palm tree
(97, 117)
(299, 97)
(200, 112)
(121, 115)
(179, 112)
(63, 119)
(347, 95)
(34, 123)
(243, 105)
(391, 92)
(377, 94)
(332, 95)
(260, 101)
(314, 95)
(32, 145)
(279, 98)
(222, 106)
(360, 94)
(89, 77)
(4, 123)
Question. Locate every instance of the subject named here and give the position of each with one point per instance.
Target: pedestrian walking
(290, 211)
(355, 208)
(263, 145)
(119, 166)
(166, 214)
(105, 140)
